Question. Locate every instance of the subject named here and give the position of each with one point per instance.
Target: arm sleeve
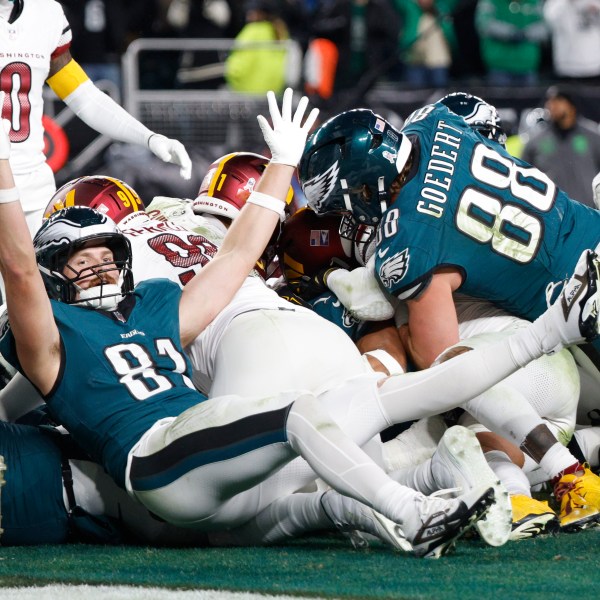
(95, 108)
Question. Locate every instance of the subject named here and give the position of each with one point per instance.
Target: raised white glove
(287, 137)
(171, 151)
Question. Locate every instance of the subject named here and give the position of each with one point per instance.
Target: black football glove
(287, 292)
(311, 287)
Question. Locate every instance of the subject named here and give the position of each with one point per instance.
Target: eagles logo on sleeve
(393, 270)
(320, 187)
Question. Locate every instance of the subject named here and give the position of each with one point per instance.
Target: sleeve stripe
(60, 50)
(67, 80)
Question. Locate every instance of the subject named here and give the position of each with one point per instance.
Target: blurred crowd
(414, 43)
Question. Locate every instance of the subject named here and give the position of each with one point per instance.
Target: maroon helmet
(228, 183)
(109, 196)
(308, 243)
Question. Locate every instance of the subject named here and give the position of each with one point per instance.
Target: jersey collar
(16, 11)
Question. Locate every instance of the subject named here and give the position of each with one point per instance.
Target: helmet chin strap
(104, 297)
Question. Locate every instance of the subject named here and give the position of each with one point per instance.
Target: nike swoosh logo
(382, 253)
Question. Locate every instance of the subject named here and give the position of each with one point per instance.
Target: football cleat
(353, 518)
(531, 517)
(573, 317)
(458, 462)
(579, 497)
(440, 522)
(2, 482)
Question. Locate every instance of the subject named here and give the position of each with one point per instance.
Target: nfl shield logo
(319, 237)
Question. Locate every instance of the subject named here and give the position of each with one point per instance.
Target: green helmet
(349, 164)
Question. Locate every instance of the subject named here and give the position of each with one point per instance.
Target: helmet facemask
(103, 295)
(63, 235)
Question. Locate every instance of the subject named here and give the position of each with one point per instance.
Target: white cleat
(439, 522)
(352, 518)
(459, 463)
(573, 316)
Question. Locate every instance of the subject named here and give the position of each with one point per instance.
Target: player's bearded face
(91, 267)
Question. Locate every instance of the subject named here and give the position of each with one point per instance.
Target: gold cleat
(579, 497)
(531, 517)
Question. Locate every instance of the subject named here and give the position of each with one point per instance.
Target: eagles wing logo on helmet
(320, 187)
(394, 269)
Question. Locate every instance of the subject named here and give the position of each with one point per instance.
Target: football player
(549, 385)
(454, 211)
(36, 37)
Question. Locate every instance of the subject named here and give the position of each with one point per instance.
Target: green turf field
(563, 566)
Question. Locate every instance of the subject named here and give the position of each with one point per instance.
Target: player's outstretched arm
(72, 85)
(212, 289)
(432, 320)
(29, 310)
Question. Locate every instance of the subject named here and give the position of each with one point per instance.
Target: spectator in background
(427, 41)
(567, 147)
(511, 36)
(99, 28)
(365, 34)
(575, 29)
(256, 70)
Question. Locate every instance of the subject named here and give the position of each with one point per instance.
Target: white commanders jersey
(38, 34)
(162, 249)
(170, 249)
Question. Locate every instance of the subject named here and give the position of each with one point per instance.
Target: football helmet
(229, 182)
(109, 196)
(349, 164)
(309, 243)
(478, 114)
(71, 229)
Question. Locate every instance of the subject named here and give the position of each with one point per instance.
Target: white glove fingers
(273, 109)
(264, 127)
(300, 110)
(286, 105)
(310, 120)
(182, 158)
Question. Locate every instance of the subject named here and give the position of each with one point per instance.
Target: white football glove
(171, 151)
(596, 190)
(287, 138)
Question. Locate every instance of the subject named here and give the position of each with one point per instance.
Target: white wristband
(269, 202)
(387, 360)
(9, 195)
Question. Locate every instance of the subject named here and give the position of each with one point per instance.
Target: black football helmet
(478, 114)
(109, 196)
(349, 164)
(71, 229)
